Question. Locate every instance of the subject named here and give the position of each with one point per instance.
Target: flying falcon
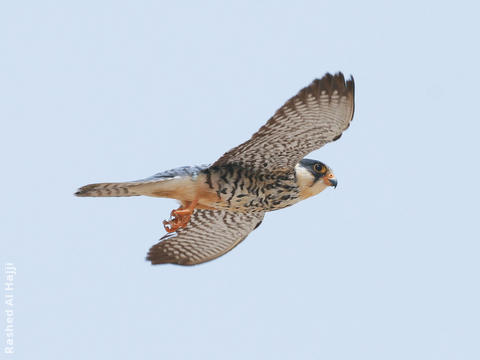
(223, 202)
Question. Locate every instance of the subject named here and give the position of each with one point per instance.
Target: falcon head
(313, 176)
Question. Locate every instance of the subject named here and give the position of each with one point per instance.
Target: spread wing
(208, 235)
(318, 114)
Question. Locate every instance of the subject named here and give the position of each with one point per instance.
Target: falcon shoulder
(208, 235)
(317, 115)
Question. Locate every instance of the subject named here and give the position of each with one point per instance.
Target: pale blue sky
(384, 267)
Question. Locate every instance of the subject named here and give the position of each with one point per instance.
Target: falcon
(221, 203)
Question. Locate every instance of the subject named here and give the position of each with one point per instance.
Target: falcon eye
(319, 168)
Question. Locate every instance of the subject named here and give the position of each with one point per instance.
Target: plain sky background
(384, 267)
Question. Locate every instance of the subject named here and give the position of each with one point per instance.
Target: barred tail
(176, 184)
(110, 189)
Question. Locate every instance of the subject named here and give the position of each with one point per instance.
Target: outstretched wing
(318, 114)
(208, 235)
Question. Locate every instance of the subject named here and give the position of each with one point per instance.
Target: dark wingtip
(351, 84)
(337, 82)
(351, 89)
(344, 87)
(155, 260)
(156, 256)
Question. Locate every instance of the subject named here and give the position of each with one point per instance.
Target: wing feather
(317, 115)
(209, 234)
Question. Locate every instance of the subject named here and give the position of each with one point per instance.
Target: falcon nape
(223, 202)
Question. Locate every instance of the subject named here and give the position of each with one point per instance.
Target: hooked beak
(330, 181)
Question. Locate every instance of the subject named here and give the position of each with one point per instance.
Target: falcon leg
(179, 218)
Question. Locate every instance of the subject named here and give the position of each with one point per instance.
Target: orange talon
(179, 218)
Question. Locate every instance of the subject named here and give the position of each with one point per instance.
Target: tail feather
(169, 187)
(171, 184)
(109, 189)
